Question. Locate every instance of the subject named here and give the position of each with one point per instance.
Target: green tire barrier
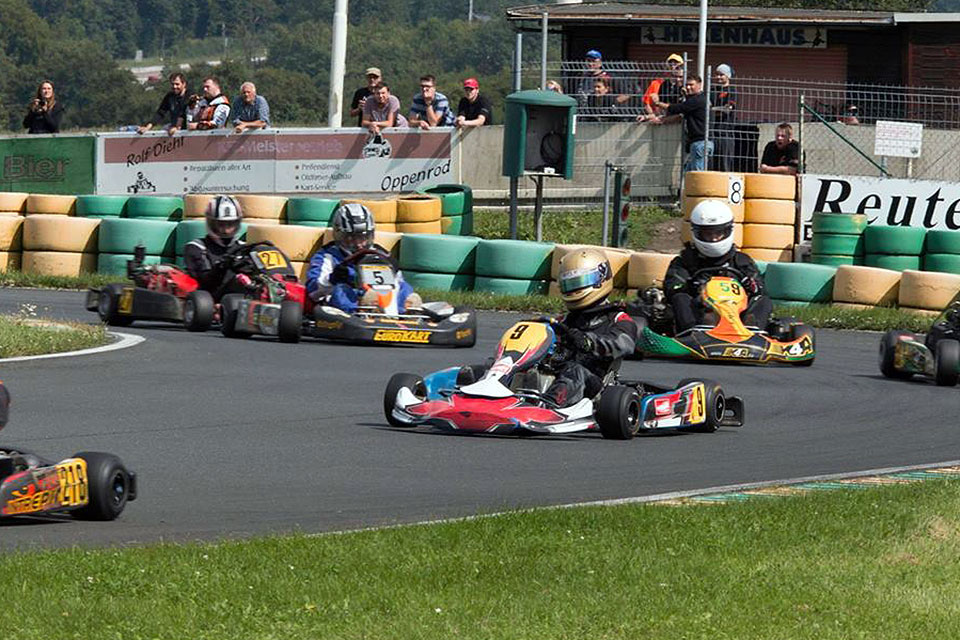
(946, 262)
(122, 235)
(789, 303)
(312, 223)
(431, 253)
(897, 241)
(845, 223)
(101, 206)
(894, 263)
(116, 263)
(799, 281)
(511, 286)
(835, 244)
(456, 199)
(458, 225)
(514, 259)
(439, 281)
(192, 229)
(155, 207)
(937, 241)
(835, 261)
(761, 266)
(316, 210)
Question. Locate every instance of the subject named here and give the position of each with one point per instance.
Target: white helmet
(712, 226)
(353, 227)
(224, 216)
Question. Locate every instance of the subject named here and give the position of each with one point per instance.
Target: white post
(543, 53)
(338, 64)
(702, 40)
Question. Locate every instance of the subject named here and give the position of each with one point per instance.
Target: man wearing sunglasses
(430, 107)
(474, 110)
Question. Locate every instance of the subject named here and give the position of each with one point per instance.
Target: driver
(946, 328)
(599, 333)
(333, 281)
(712, 222)
(207, 258)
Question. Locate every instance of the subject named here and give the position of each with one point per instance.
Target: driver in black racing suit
(208, 260)
(713, 247)
(599, 333)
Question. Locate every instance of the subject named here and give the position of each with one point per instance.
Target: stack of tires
(895, 248)
(647, 269)
(384, 212)
(619, 260)
(419, 213)
(168, 208)
(119, 237)
(12, 207)
(262, 210)
(862, 287)
(101, 206)
(769, 228)
(838, 238)
(311, 212)
(441, 263)
(195, 205)
(927, 292)
(798, 284)
(942, 251)
(55, 242)
(457, 201)
(713, 185)
(512, 267)
(389, 240)
(297, 241)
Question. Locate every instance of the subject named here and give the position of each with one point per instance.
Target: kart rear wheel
(714, 405)
(198, 310)
(888, 344)
(399, 381)
(291, 321)
(618, 413)
(108, 487)
(947, 363)
(107, 306)
(230, 304)
(797, 331)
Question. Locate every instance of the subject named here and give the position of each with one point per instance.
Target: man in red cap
(474, 110)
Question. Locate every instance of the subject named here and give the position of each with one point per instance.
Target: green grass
(20, 279)
(25, 335)
(875, 563)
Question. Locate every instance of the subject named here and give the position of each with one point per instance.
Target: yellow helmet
(585, 278)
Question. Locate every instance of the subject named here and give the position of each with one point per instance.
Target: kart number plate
(270, 259)
(125, 302)
(376, 275)
(697, 405)
(72, 475)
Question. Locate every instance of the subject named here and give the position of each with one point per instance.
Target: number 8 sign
(735, 189)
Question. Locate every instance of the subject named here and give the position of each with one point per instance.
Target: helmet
(585, 278)
(353, 227)
(712, 222)
(223, 218)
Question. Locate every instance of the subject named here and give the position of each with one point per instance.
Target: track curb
(123, 341)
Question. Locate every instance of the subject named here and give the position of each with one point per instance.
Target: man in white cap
(723, 101)
(360, 95)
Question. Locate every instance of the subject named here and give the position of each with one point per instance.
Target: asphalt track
(239, 438)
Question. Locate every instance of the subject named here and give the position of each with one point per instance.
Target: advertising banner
(885, 201)
(276, 161)
(48, 164)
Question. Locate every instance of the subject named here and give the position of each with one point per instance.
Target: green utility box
(538, 134)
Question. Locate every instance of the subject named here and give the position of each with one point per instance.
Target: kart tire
(229, 304)
(797, 332)
(169, 208)
(108, 486)
(942, 241)
(887, 346)
(839, 223)
(947, 363)
(107, 306)
(398, 381)
(714, 405)
(618, 412)
(101, 206)
(902, 241)
(198, 310)
(291, 322)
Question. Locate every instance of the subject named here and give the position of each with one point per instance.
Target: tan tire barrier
(300, 268)
(713, 184)
(298, 242)
(770, 185)
(60, 233)
(195, 205)
(764, 211)
(420, 227)
(769, 255)
(11, 233)
(384, 211)
(58, 263)
(768, 236)
(389, 240)
(13, 202)
(262, 207)
(10, 260)
(619, 260)
(57, 205)
(852, 305)
(686, 233)
(930, 313)
(388, 227)
(927, 289)
(263, 222)
(647, 269)
(866, 285)
(418, 208)
(689, 202)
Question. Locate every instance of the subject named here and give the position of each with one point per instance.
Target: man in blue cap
(594, 71)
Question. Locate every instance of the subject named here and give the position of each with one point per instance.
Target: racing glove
(750, 285)
(580, 340)
(340, 274)
(245, 281)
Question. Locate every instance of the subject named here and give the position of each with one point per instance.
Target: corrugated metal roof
(592, 12)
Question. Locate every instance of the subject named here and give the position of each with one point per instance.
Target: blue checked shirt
(441, 106)
(243, 112)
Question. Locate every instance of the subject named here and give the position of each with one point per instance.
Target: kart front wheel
(888, 347)
(947, 369)
(108, 486)
(618, 413)
(291, 321)
(108, 306)
(198, 310)
(230, 305)
(399, 381)
(713, 408)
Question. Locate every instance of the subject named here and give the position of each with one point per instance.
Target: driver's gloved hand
(580, 340)
(340, 274)
(245, 281)
(751, 286)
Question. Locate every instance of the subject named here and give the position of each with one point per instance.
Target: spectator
(250, 111)
(662, 92)
(782, 154)
(212, 110)
(850, 115)
(382, 110)
(172, 107)
(553, 85)
(44, 113)
(693, 112)
(430, 107)
(601, 104)
(584, 87)
(360, 95)
(723, 101)
(474, 109)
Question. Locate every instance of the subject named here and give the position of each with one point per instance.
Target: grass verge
(20, 336)
(874, 563)
(20, 279)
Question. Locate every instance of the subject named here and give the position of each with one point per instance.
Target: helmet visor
(713, 233)
(576, 280)
(355, 241)
(224, 229)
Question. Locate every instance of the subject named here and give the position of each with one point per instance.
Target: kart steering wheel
(362, 253)
(701, 276)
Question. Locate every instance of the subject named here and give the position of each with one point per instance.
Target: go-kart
(723, 336)
(936, 356)
(158, 292)
(508, 397)
(379, 320)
